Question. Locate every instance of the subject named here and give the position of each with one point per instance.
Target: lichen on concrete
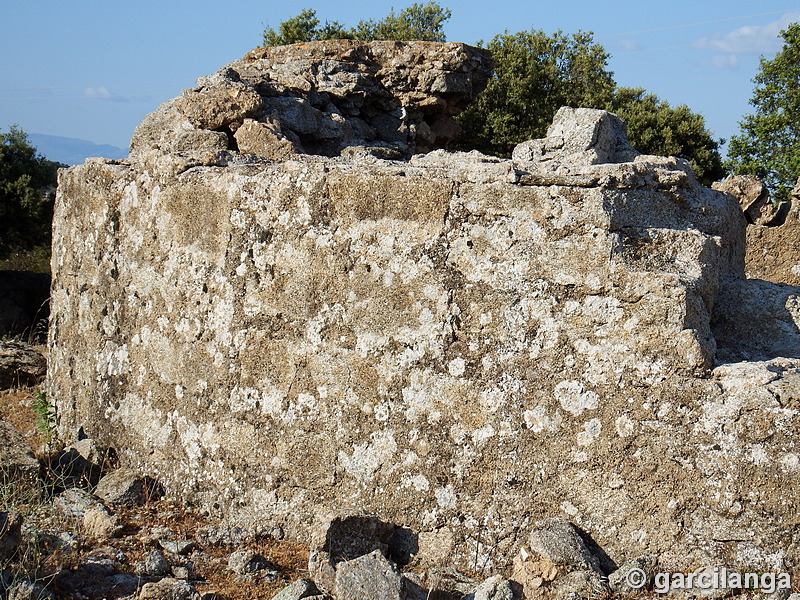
(457, 343)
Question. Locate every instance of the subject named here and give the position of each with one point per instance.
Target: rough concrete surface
(458, 344)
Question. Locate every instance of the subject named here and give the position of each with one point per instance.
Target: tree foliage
(304, 28)
(26, 198)
(535, 75)
(769, 142)
(654, 127)
(422, 22)
(417, 22)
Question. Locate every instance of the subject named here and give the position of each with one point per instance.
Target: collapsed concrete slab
(389, 99)
(458, 344)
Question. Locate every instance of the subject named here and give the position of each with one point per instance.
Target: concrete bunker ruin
(288, 301)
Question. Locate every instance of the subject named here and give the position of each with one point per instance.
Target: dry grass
(290, 557)
(16, 408)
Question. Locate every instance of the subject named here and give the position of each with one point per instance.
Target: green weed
(45, 414)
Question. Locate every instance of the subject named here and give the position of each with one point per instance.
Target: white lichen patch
(790, 462)
(138, 414)
(368, 342)
(113, 360)
(456, 367)
(306, 403)
(483, 434)
(575, 398)
(427, 395)
(538, 419)
(445, 496)
(458, 433)
(381, 412)
(716, 414)
(191, 439)
(624, 426)
(419, 482)
(759, 455)
(367, 458)
(569, 509)
(274, 401)
(591, 431)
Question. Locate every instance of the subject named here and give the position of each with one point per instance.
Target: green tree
(654, 127)
(422, 22)
(304, 28)
(27, 181)
(417, 22)
(769, 142)
(535, 75)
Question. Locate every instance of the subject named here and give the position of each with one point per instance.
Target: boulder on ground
(280, 338)
(343, 537)
(368, 577)
(10, 533)
(247, 561)
(126, 487)
(297, 590)
(76, 502)
(634, 575)
(101, 524)
(496, 587)
(561, 543)
(20, 365)
(67, 468)
(168, 589)
(17, 462)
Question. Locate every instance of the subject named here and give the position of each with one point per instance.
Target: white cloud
(97, 92)
(750, 39)
(629, 45)
(725, 61)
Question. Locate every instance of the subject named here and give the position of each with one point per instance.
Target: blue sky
(92, 70)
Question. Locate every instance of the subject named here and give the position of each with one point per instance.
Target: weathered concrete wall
(772, 252)
(773, 231)
(459, 344)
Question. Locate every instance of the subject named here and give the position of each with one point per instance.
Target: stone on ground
(10, 533)
(561, 543)
(368, 577)
(168, 589)
(124, 487)
(17, 462)
(20, 365)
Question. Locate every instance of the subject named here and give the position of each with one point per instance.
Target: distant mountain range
(72, 151)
